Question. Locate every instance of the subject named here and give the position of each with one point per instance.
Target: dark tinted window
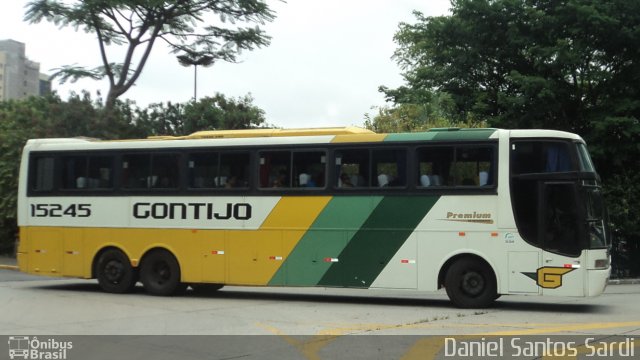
(150, 171)
(455, 166)
(292, 169)
(42, 173)
(364, 168)
(529, 157)
(218, 170)
(87, 172)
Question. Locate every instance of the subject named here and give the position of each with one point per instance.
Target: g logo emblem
(549, 277)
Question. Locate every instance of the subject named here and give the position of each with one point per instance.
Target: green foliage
(186, 26)
(50, 117)
(571, 65)
(208, 113)
(408, 117)
(624, 188)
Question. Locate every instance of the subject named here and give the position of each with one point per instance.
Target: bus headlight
(602, 264)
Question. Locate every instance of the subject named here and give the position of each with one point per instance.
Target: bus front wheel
(470, 283)
(160, 273)
(115, 273)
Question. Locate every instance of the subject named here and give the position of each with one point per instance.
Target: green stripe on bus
(326, 238)
(419, 136)
(380, 237)
(443, 135)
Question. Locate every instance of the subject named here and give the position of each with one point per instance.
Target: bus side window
(150, 171)
(434, 164)
(389, 167)
(352, 168)
(309, 169)
(235, 167)
(275, 169)
(297, 169)
(42, 173)
(87, 172)
(164, 171)
(473, 166)
(203, 170)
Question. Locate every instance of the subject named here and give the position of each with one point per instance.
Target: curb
(8, 267)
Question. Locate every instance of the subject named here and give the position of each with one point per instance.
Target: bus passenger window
(146, 171)
(42, 173)
(472, 166)
(74, 172)
(234, 167)
(389, 167)
(455, 166)
(203, 171)
(352, 165)
(287, 169)
(87, 172)
(434, 164)
(164, 171)
(275, 169)
(309, 169)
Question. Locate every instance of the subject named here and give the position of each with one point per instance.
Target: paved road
(61, 307)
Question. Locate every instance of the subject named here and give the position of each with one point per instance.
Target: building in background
(19, 76)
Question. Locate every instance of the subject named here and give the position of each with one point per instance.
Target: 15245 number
(58, 210)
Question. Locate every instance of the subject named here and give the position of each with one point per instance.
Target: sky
(323, 67)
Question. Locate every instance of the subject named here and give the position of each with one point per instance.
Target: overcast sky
(323, 67)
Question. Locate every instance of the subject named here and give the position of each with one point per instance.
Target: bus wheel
(160, 273)
(470, 283)
(115, 273)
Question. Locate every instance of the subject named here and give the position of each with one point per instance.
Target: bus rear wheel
(115, 273)
(470, 283)
(160, 274)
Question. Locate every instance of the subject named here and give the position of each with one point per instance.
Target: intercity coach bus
(480, 212)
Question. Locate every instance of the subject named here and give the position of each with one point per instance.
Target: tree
(209, 113)
(571, 65)
(182, 24)
(436, 112)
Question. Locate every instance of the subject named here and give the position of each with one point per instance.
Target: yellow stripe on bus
(229, 256)
(359, 138)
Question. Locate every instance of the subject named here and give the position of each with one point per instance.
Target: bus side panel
(255, 257)
(72, 252)
(322, 244)
(214, 250)
(43, 246)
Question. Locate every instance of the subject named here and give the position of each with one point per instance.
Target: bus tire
(115, 273)
(471, 284)
(160, 273)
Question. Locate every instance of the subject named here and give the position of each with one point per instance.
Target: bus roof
(290, 137)
(250, 133)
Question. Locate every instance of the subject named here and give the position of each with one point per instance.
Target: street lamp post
(193, 59)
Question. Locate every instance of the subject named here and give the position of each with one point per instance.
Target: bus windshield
(596, 217)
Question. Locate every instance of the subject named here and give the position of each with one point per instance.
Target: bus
(479, 212)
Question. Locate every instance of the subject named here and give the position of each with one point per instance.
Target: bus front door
(562, 272)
